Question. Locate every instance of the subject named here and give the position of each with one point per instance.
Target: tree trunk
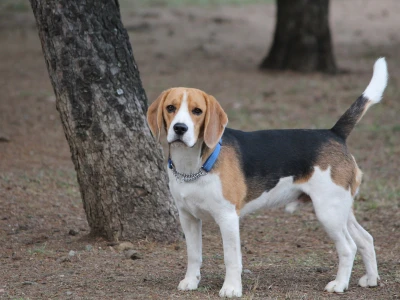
(102, 106)
(302, 40)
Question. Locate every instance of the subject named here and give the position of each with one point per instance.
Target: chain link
(180, 177)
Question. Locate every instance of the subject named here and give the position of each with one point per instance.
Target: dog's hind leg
(365, 244)
(332, 206)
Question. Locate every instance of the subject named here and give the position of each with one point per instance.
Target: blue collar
(209, 163)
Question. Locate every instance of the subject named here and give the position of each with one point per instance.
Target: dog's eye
(171, 108)
(197, 111)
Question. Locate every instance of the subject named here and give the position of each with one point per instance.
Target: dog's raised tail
(372, 94)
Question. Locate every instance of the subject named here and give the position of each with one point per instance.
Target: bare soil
(217, 49)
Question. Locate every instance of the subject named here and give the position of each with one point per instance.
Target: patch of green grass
(299, 295)
(397, 276)
(204, 289)
(311, 260)
(35, 182)
(256, 264)
(396, 128)
(297, 88)
(5, 178)
(242, 118)
(312, 225)
(256, 214)
(14, 5)
(217, 256)
(381, 191)
(371, 205)
(387, 191)
(253, 288)
(38, 250)
(358, 263)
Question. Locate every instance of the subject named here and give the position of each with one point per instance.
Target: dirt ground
(217, 49)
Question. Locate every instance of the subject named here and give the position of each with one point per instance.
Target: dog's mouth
(178, 142)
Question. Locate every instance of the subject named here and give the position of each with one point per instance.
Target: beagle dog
(222, 174)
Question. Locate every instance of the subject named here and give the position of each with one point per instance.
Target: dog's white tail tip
(376, 87)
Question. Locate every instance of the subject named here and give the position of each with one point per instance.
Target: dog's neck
(188, 160)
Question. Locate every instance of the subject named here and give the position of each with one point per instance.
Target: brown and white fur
(263, 169)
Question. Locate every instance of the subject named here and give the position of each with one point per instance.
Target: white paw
(292, 207)
(336, 287)
(367, 281)
(189, 284)
(230, 291)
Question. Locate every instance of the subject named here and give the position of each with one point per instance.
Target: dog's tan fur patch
(303, 179)
(357, 179)
(344, 170)
(234, 187)
(336, 156)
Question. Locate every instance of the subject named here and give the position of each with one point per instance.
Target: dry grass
(215, 48)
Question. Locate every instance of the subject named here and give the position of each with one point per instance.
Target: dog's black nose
(180, 128)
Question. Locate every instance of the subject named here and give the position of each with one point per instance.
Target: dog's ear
(214, 123)
(155, 115)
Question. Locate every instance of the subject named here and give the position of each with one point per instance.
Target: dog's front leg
(192, 229)
(229, 226)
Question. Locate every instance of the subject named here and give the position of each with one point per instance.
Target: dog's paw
(336, 287)
(292, 207)
(189, 284)
(368, 281)
(230, 291)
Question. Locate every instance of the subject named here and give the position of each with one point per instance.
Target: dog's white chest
(203, 198)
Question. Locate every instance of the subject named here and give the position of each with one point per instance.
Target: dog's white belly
(203, 198)
(283, 193)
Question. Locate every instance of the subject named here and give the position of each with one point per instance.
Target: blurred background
(216, 46)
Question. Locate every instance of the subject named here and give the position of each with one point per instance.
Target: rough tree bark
(302, 39)
(102, 106)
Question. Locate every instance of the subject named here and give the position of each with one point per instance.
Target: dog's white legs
(365, 245)
(332, 210)
(192, 228)
(346, 249)
(229, 226)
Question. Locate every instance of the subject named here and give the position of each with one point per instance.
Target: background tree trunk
(302, 40)
(102, 106)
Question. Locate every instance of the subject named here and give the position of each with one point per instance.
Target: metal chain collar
(181, 177)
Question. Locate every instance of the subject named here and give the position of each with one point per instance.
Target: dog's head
(187, 115)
